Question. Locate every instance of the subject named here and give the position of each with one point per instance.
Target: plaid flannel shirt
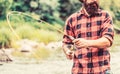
(79, 25)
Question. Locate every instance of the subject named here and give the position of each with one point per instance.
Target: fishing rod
(37, 19)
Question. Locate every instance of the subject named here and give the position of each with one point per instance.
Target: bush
(5, 38)
(27, 28)
(25, 31)
(40, 53)
(46, 36)
(4, 7)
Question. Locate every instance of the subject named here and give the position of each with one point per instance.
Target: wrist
(90, 43)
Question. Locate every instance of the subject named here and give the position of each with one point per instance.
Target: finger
(69, 57)
(80, 46)
(77, 43)
(75, 40)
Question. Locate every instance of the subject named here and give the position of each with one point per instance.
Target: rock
(27, 45)
(5, 55)
(54, 45)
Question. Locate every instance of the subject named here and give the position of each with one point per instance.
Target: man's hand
(81, 43)
(102, 42)
(68, 51)
(69, 54)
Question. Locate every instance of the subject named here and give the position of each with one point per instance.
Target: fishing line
(37, 19)
(34, 18)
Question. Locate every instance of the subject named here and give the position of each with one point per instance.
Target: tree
(113, 7)
(4, 7)
(68, 7)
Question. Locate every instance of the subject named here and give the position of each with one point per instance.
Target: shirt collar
(84, 12)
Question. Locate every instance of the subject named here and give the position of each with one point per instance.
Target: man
(92, 32)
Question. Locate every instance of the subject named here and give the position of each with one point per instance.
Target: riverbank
(53, 65)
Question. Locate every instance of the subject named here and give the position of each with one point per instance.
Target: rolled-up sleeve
(68, 31)
(107, 28)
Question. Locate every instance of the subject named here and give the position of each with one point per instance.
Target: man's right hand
(69, 54)
(68, 51)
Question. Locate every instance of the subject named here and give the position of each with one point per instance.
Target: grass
(5, 37)
(25, 31)
(116, 43)
(35, 31)
(46, 36)
(39, 53)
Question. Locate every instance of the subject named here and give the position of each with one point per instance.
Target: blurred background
(34, 46)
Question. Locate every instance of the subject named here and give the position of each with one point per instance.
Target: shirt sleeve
(107, 28)
(68, 31)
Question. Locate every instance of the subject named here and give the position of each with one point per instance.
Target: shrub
(25, 31)
(40, 35)
(46, 36)
(5, 38)
(40, 53)
(4, 7)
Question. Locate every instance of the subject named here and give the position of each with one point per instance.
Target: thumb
(75, 40)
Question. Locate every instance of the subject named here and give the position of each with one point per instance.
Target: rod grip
(72, 38)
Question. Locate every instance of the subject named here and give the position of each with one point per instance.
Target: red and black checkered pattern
(79, 25)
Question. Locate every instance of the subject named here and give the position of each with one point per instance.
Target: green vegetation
(116, 43)
(5, 5)
(113, 7)
(54, 12)
(39, 53)
(5, 38)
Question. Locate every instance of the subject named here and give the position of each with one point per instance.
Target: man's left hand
(81, 43)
